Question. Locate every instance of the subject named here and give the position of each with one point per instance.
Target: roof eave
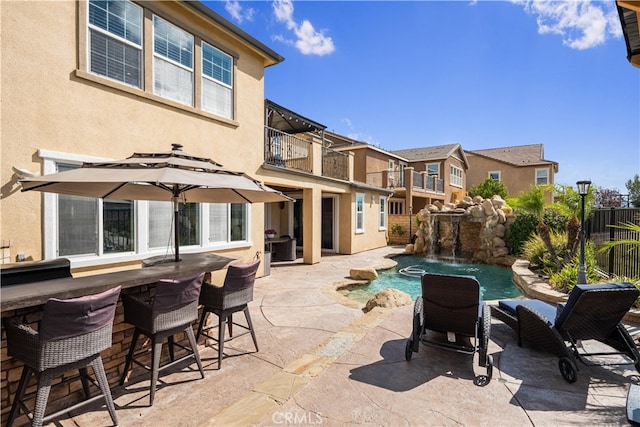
(270, 56)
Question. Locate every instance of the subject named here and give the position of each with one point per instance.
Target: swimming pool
(495, 282)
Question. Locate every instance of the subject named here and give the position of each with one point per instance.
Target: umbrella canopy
(173, 175)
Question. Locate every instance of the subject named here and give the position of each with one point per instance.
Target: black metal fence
(620, 261)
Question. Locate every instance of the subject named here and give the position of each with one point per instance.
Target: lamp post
(583, 190)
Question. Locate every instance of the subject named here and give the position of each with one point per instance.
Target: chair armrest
(537, 331)
(136, 311)
(22, 341)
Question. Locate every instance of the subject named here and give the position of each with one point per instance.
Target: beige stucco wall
(516, 179)
(50, 103)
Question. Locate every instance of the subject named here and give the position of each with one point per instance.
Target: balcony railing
(427, 182)
(287, 151)
(385, 179)
(335, 164)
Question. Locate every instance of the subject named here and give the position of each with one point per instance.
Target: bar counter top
(32, 294)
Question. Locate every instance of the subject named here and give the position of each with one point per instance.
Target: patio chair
(71, 335)
(233, 296)
(172, 310)
(285, 251)
(592, 312)
(451, 305)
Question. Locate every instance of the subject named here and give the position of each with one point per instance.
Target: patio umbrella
(173, 175)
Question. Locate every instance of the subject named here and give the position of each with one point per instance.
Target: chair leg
(156, 351)
(101, 376)
(230, 325)
(22, 386)
(84, 378)
(221, 324)
(127, 363)
(194, 348)
(42, 395)
(253, 334)
(203, 319)
(171, 353)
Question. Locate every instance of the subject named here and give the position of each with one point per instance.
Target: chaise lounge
(451, 306)
(592, 312)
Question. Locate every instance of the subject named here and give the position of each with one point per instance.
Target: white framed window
(172, 62)
(401, 175)
(433, 169)
(115, 41)
(92, 231)
(359, 212)
(542, 176)
(495, 175)
(396, 207)
(455, 176)
(217, 81)
(382, 220)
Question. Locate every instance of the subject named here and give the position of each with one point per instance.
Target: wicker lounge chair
(592, 312)
(225, 300)
(71, 335)
(172, 310)
(451, 305)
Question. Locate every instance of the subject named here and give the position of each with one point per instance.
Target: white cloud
(582, 24)
(237, 12)
(309, 41)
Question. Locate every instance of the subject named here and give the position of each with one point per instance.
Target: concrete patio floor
(322, 362)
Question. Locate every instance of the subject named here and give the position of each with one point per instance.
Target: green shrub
(488, 188)
(520, 231)
(555, 221)
(537, 253)
(567, 278)
(397, 230)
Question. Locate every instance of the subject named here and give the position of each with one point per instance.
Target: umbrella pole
(176, 230)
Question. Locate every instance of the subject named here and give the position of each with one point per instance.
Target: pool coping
(530, 283)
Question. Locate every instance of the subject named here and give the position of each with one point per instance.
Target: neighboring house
(126, 77)
(518, 167)
(438, 173)
(628, 12)
(333, 211)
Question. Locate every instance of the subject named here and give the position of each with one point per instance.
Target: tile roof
(428, 153)
(521, 155)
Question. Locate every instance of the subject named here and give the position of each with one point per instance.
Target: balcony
(291, 152)
(426, 182)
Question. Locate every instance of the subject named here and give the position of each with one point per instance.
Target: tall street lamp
(583, 190)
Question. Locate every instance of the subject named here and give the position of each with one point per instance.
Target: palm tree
(532, 201)
(568, 202)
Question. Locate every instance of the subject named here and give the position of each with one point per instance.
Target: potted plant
(270, 233)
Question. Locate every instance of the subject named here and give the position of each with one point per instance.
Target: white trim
(383, 202)
(359, 230)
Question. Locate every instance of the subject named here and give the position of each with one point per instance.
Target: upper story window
(115, 41)
(455, 178)
(181, 61)
(172, 62)
(542, 176)
(495, 175)
(217, 81)
(433, 169)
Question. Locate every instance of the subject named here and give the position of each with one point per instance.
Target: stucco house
(518, 167)
(126, 77)
(439, 173)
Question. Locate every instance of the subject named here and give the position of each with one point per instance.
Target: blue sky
(483, 74)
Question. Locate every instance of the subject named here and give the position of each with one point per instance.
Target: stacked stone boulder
(492, 214)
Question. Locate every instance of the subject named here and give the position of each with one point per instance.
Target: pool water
(495, 282)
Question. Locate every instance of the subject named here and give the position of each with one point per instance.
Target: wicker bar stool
(71, 335)
(171, 310)
(233, 296)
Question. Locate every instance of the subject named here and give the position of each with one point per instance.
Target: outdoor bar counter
(25, 301)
